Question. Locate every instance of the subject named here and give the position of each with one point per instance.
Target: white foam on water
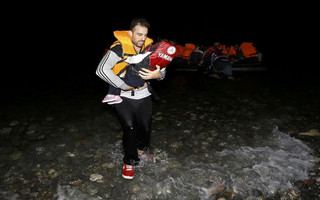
(250, 171)
(272, 167)
(267, 169)
(67, 192)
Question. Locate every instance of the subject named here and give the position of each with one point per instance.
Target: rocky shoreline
(66, 144)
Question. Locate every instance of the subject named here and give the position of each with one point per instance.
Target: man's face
(139, 35)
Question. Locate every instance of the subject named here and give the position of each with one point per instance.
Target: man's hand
(146, 74)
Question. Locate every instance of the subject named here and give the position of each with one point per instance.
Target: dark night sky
(55, 41)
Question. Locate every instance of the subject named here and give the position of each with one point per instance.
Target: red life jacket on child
(161, 53)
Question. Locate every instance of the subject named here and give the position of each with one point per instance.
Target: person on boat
(220, 65)
(233, 53)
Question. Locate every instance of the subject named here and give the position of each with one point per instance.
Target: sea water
(263, 170)
(266, 167)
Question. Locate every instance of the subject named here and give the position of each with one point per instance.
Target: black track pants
(135, 118)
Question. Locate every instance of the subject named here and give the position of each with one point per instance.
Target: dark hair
(139, 21)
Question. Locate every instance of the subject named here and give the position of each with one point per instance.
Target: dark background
(54, 44)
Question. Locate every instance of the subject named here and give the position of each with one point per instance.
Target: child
(161, 54)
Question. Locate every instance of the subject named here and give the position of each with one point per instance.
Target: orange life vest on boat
(189, 48)
(248, 50)
(232, 51)
(181, 50)
(224, 48)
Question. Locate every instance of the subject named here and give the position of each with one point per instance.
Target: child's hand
(146, 74)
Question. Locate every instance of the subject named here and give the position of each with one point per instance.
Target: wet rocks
(290, 194)
(5, 131)
(96, 178)
(312, 132)
(72, 149)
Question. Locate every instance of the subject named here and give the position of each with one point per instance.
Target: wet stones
(53, 173)
(176, 145)
(290, 194)
(158, 116)
(15, 156)
(72, 149)
(312, 132)
(96, 178)
(108, 165)
(14, 123)
(5, 131)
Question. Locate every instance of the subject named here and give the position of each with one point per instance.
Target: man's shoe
(128, 171)
(144, 156)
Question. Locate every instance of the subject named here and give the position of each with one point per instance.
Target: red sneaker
(128, 171)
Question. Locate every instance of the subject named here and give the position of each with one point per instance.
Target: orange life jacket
(232, 51)
(224, 48)
(181, 50)
(189, 48)
(248, 50)
(128, 50)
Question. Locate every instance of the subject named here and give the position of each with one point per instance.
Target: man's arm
(104, 70)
